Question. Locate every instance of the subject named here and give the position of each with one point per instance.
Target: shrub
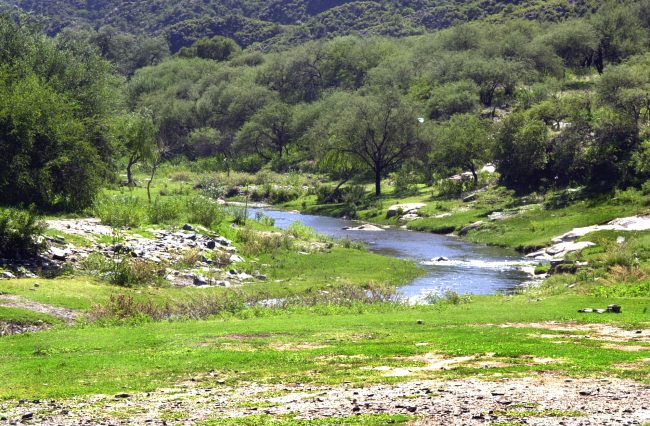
(136, 272)
(256, 243)
(120, 210)
(20, 234)
(239, 214)
(300, 231)
(204, 211)
(353, 199)
(164, 211)
(264, 219)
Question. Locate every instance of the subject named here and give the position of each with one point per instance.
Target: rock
(188, 227)
(365, 227)
(261, 277)
(615, 309)
(236, 259)
(199, 280)
(7, 275)
(59, 254)
(211, 244)
(474, 226)
(402, 209)
(470, 198)
(440, 259)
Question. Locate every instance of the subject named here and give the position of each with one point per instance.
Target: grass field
(322, 344)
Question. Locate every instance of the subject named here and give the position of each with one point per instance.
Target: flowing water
(470, 268)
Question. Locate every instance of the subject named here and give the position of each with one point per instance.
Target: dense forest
(550, 103)
(278, 23)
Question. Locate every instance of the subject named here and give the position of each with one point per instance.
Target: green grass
(299, 346)
(24, 316)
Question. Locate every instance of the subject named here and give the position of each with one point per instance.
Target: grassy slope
(75, 361)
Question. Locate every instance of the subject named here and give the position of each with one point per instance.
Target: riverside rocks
(567, 243)
(192, 258)
(408, 211)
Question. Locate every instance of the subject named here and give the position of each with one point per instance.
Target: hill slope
(282, 22)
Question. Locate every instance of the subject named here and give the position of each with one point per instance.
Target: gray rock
(474, 226)
(188, 227)
(7, 275)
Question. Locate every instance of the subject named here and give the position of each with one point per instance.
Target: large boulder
(403, 209)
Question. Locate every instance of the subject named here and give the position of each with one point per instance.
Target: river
(470, 268)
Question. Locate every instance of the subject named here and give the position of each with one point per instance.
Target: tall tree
(463, 142)
(378, 130)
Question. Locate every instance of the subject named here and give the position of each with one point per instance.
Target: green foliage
(52, 109)
(120, 210)
(521, 151)
(21, 234)
(164, 211)
(204, 212)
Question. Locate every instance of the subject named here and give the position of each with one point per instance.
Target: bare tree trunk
(154, 167)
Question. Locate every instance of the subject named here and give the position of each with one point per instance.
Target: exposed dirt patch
(12, 301)
(295, 346)
(597, 331)
(627, 348)
(237, 336)
(543, 400)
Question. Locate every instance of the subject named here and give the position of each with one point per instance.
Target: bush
(20, 234)
(204, 212)
(353, 199)
(120, 210)
(301, 231)
(164, 211)
(264, 219)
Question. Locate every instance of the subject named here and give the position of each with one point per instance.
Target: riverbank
(339, 350)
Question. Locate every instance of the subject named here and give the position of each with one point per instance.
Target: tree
(453, 98)
(378, 130)
(136, 134)
(626, 88)
(463, 142)
(521, 151)
(217, 48)
(620, 31)
(269, 132)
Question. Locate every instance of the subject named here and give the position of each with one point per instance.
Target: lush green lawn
(324, 344)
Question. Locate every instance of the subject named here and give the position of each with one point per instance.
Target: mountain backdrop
(277, 23)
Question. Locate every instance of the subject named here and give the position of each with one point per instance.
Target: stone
(7, 275)
(236, 259)
(211, 244)
(200, 281)
(402, 209)
(474, 226)
(440, 259)
(470, 198)
(59, 254)
(188, 227)
(365, 227)
(615, 309)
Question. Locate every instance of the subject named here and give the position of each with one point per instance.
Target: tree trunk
(378, 182)
(474, 174)
(129, 173)
(153, 172)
